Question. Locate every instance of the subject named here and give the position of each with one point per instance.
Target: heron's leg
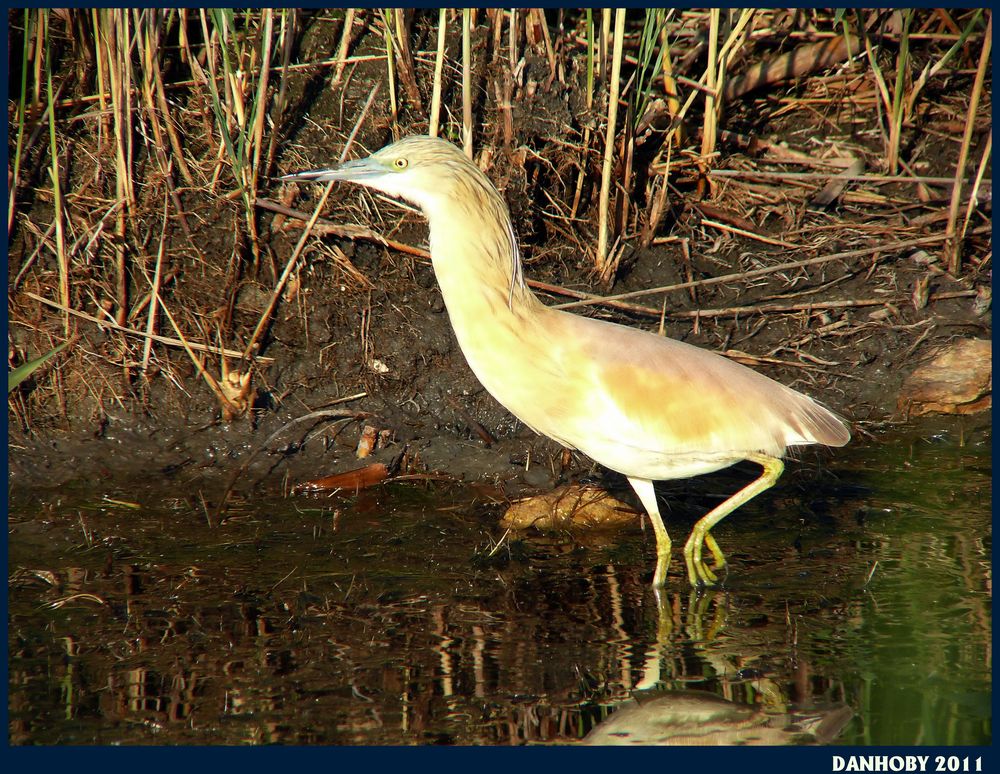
(698, 572)
(647, 496)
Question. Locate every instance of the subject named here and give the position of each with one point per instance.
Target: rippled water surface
(856, 609)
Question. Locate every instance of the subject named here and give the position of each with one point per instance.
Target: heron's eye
(400, 163)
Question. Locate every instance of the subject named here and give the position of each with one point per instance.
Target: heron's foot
(720, 558)
(699, 573)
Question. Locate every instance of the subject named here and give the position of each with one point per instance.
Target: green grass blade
(23, 371)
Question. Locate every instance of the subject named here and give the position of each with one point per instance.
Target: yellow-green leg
(698, 572)
(647, 496)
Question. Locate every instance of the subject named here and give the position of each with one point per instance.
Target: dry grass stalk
(876, 71)
(660, 190)
(161, 101)
(974, 194)
(154, 295)
(15, 174)
(853, 303)
(799, 177)
(343, 231)
(896, 109)
(512, 38)
(259, 113)
(714, 78)
(467, 81)
(231, 404)
(930, 71)
(603, 45)
(953, 247)
(289, 25)
(121, 103)
(390, 63)
(605, 264)
(345, 45)
(670, 89)
(57, 201)
(403, 17)
(538, 33)
(503, 86)
(589, 97)
(748, 234)
(112, 325)
(155, 105)
(438, 73)
(711, 79)
(745, 275)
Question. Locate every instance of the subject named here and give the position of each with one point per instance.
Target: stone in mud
(958, 380)
(574, 506)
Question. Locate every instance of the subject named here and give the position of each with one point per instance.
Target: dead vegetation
(801, 189)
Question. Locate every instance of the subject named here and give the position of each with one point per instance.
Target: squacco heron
(646, 406)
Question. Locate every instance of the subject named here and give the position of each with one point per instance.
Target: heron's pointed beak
(357, 171)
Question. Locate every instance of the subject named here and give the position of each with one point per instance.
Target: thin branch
(141, 334)
(880, 248)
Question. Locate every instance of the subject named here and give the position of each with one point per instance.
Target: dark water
(857, 608)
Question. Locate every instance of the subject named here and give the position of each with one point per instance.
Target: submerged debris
(704, 719)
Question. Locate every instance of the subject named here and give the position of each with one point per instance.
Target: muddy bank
(276, 452)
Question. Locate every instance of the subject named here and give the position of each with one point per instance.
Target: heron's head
(422, 170)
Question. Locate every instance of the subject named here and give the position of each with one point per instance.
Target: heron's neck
(477, 263)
